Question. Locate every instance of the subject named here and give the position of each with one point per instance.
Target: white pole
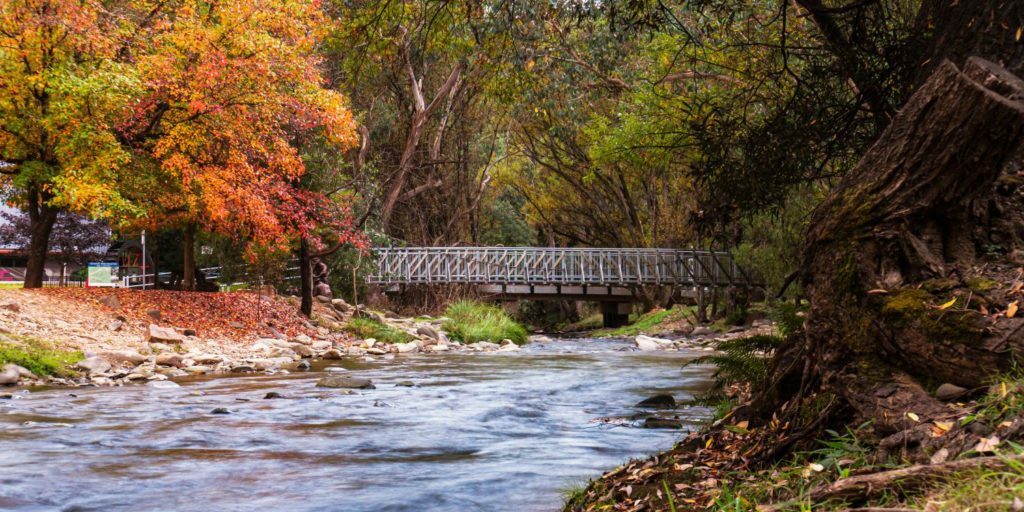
(143, 259)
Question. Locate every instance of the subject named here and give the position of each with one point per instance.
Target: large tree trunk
(188, 278)
(41, 220)
(872, 334)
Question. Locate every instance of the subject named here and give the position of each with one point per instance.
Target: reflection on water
(504, 431)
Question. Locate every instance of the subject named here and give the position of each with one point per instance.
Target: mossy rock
(907, 301)
(982, 284)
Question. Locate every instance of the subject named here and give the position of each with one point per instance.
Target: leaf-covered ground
(232, 315)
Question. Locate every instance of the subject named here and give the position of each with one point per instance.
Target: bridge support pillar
(616, 314)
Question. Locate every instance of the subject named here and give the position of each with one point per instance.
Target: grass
(979, 490)
(11, 286)
(470, 322)
(37, 356)
(366, 328)
(653, 322)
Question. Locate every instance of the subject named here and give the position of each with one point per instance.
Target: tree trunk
(305, 279)
(41, 220)
(873, 334)
(188, 278)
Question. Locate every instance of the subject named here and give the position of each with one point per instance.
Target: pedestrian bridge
(541, 272)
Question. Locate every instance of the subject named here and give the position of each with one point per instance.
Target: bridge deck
(556, 266)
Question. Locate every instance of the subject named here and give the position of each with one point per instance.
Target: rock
(761, 322)
(324, 299)
(407, 348)
(737, 329)
(93, 365)
(370, 342)
(272, 395)
(9, 375)
(263, 365)
(949, 391)
(338, 381)
(242, 368)
(208, 359)
(154, 314)
(340, 305)
(321, 346)
(220, 410)
(332, 354)
(197, 369)
(355, 351)
(663, 423)
(158, 334)
(162, 384)
(405, 384)
(440, 347)
(302, 338)
(124, 356)
(302, 350)
(170, 359)
(511, 347)
(376, 351)
(303, 365)
(189, 332)
(660, 401)
(540, 338)
(701, 331)
(111, 301)
(160, 347)
(485, 345)
(116, 325)
(647, 344)
(428, 331)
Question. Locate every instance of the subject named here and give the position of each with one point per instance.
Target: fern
(743, 360)
(788, 317)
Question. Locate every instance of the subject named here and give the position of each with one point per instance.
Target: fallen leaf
(743, 424)
(944, 425)
(913, 416)
(817, 468)
(947, 305)
(1011, 309)
(987, 444)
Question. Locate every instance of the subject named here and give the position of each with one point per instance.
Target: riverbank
(74, 337)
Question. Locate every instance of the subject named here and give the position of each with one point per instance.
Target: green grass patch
(470, 322)
(366, 328)
(590, 323)
(11, 286)
(37, 356)
(653, 322)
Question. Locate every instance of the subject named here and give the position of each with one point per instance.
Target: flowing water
(499, 431)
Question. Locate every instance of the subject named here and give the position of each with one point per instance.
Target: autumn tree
(230, 88)
(63, 88)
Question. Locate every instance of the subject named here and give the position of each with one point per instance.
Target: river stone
(263, 364)
(405, 384)
(302, 338)
(242, 368)
(169, 359)
(302, 350)
(737, 329)
(321, 346)
(272, 395)
(340, 381)
(93, 365)
(663, 423)
(332, 354)
(660, 401)
(162, 384)
(124, 356)
(355, 351)
(220, 410)
(701, 331)
(116, 325)
(407, 348)
(428, 331)
(511, 347)
(158, 334)
(209, 359)
(485, 345)
(647, 344)
(9, 375)
(376, 351)
(197, 369)
(440, 347)
(303, 365)
(949, 391)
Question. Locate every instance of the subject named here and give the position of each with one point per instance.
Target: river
(489, 432)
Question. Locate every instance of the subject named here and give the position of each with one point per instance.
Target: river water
(489, 432)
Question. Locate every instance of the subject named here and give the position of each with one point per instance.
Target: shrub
(37, 356)
(470, 322)
(366, 328)
(742, 360)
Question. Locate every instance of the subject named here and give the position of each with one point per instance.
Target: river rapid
(504, 431)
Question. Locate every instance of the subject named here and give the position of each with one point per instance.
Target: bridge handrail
(554, 265)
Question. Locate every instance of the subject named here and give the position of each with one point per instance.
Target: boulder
(208, 359)
(428, 331)
(302, 338)
(376, 351)
(509, 347)
(701, 331)
(116, 325)
(170, 359)
(340, 305)
(332, 354)
(321, 346)
(663, 423)
(540, 338)
(340, 381)
(242, 368)
(408, 348)
(124, 356)
(485, 345)
(659, 401)
(323, 298)
(9, 375)
(93, 365)
(440, 347)
(302, 350)
(158, 334)
(647, 344)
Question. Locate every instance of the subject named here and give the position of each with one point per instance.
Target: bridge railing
(555, 266)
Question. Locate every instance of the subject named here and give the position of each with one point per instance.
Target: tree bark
(41, 220)
(305, 279)
(872, 335)
(188, 278)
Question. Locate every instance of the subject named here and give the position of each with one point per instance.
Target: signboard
(101, 273)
